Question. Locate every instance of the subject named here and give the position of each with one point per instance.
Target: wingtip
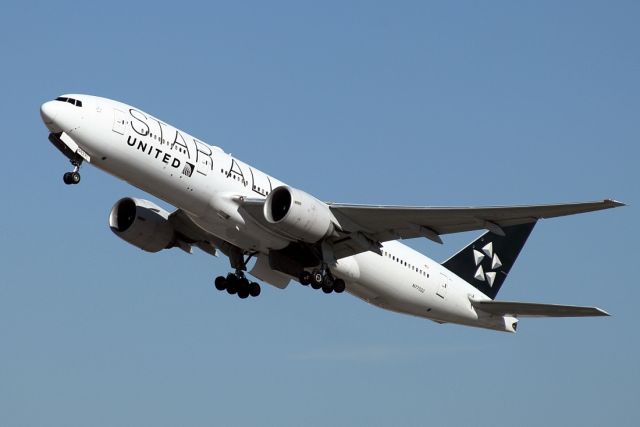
(612, 203)
(601, 312)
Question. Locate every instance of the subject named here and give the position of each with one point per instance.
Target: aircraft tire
(317, 279)
(254, 289)
(305, 278)
(220, 283)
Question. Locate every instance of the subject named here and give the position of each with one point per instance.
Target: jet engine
(298, 215)
(142, 223)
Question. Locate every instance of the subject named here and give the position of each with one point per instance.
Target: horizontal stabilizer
(528, 309)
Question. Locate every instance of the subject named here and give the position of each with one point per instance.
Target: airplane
(225, 205)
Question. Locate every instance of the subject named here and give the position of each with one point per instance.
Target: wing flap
(528, 309)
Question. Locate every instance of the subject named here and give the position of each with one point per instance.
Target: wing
(363, 227)
(527, 309)
(383, 223)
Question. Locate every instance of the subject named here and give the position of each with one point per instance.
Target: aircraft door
(118, 122)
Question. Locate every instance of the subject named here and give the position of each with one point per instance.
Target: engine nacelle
(142, 223)
(298, 215)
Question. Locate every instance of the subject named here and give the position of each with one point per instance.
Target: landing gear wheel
(327, 281)
(327, 289)
(317, 279)
(71, 178)
(305, 278)
(237, 284)
(254, 289)
(243, 288)
(232, 284)
(220, 283)
(339, 286)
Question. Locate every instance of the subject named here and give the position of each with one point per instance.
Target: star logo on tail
(491, 264)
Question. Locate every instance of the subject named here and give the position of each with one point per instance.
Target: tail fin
(486, 262)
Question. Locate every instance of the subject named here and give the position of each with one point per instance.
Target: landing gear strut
(322, 279)
(74, 176)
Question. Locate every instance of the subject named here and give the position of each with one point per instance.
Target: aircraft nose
(49, 111)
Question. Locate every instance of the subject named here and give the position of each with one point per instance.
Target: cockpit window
(71, 101)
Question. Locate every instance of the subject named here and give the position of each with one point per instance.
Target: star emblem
(492, 263)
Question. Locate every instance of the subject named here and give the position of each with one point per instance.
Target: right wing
(363, 227)
(528, 309)
(367, 224)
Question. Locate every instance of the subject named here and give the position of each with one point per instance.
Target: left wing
(528, 309)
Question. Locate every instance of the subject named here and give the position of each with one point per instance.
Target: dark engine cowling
(142, 223)
(298, 215)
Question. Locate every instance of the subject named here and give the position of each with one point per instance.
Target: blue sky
(449, 103)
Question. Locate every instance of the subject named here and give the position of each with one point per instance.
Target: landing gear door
(118, 122)
(443, 285)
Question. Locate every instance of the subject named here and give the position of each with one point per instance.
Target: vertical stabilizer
(486, 262)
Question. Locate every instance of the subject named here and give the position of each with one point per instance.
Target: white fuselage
(151, 155)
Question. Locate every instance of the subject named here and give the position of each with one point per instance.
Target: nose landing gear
(73, 177)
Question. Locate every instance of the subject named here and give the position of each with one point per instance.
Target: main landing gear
(74, 176)
(236, 283)
(322, 279)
